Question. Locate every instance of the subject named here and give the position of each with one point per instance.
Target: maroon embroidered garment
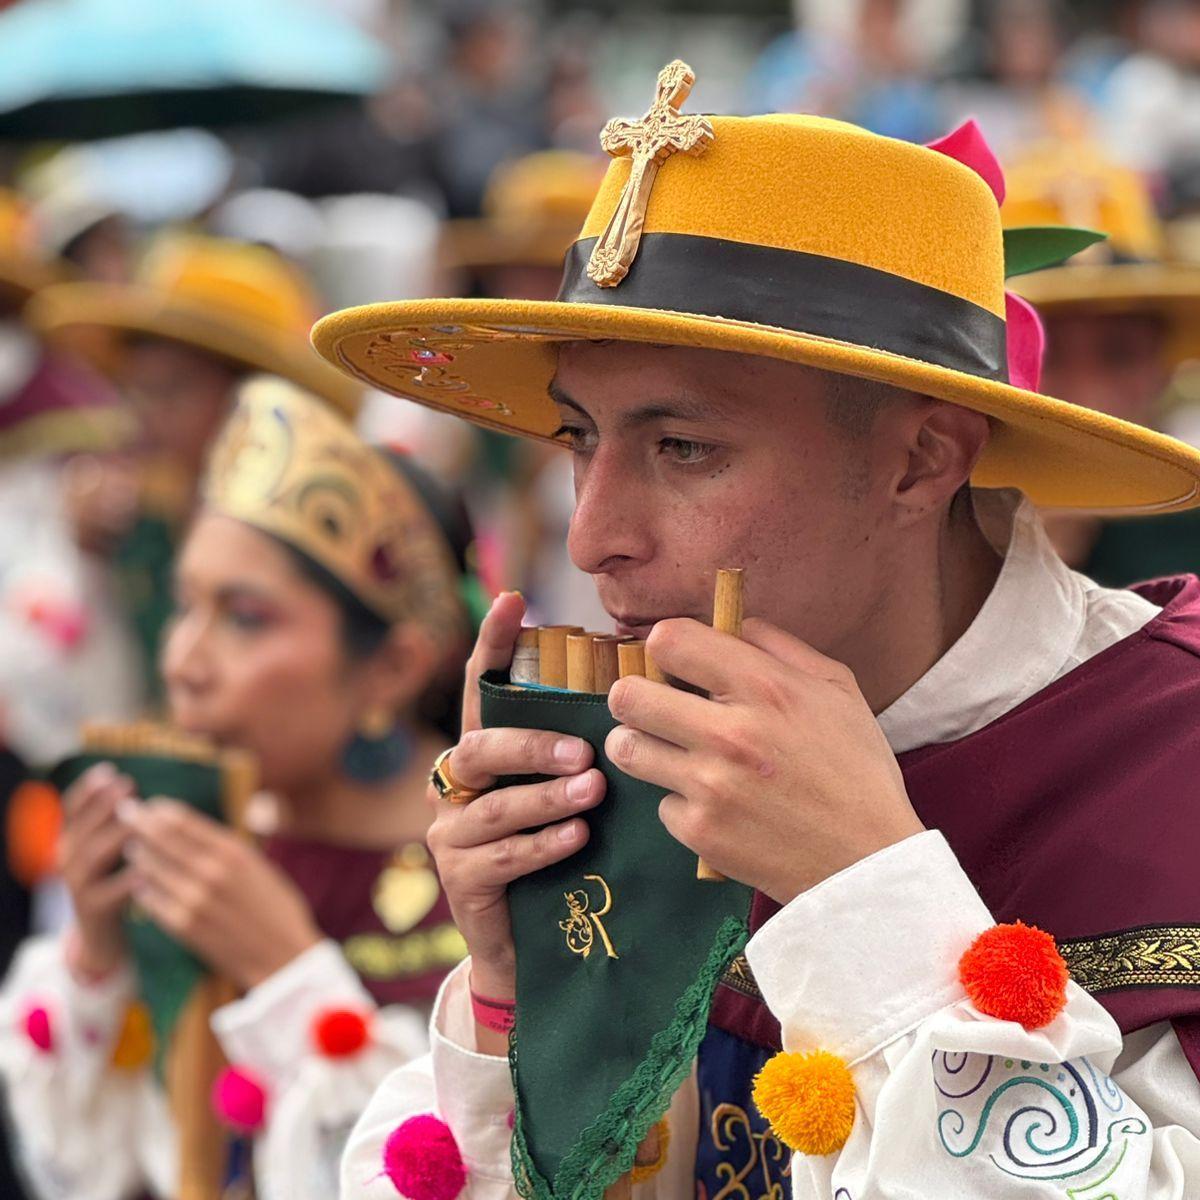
(1079, 812)
(386, 910)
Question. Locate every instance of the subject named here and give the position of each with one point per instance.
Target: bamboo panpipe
(727, 617)
(194, 1059)
(564, 651)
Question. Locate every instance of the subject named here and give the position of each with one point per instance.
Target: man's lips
(634, 627)
(638, 625)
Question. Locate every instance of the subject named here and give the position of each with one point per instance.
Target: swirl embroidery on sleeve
(1056, 1118)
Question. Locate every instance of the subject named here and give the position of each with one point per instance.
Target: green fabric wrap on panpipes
(167, 971)
(619, 950)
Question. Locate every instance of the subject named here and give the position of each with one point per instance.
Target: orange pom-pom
(340, 1032)
(1015, 973)
(34, 824)
(135, 1042)
(808, 1099)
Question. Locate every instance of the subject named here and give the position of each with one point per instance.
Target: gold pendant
(406, 891)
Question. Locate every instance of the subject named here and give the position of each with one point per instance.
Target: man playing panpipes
(784, 344)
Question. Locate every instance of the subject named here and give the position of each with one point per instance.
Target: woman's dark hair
(364, 631)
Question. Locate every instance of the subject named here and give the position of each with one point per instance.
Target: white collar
(1025, 636)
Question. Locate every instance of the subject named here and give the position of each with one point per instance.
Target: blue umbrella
(72, 69)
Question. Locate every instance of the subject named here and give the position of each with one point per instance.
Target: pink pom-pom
(967, 145)
(1026, 337)
(239, 1100)
(423, 1161)
(38, 1030)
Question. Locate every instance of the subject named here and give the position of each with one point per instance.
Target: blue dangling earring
(380, 749)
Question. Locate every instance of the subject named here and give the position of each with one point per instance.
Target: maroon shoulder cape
(385, 909)
(1079, 812)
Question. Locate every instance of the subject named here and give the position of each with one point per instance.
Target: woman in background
(320, 625)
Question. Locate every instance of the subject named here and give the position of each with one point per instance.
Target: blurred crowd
(144, 277)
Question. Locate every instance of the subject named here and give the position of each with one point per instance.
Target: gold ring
(444, 783)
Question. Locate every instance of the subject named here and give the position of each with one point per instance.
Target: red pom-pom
(239, 1100)
(340, 1032)
(423, 1161)
(38, 1030)
(1015, 973)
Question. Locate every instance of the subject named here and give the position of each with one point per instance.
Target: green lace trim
(606, 1148)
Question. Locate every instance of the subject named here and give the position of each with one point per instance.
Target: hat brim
(500, 358)
(126, 309)
(1170, 290)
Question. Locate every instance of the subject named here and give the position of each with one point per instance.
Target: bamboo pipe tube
(631, 658)
(552, 654)
(524, 668)
(727, 617)
(580, 670)
(606, 668)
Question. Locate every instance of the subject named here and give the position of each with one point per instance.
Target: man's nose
(611, 522)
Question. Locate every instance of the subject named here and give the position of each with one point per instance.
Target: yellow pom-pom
(808, 1099)
(135, 1042)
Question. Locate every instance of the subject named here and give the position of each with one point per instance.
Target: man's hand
(217, 893)
(481, 847)
(782, 776)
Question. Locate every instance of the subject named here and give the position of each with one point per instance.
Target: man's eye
(581, 439)
(685, 452)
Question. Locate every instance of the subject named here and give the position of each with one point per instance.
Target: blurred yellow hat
(23, 270)
(1072, 182)
(240, 302)
(532, 211)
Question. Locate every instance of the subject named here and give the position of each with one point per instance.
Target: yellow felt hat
(240, 302)
(1071, 181)
(532, 210)
(23, 270)
(789, 237)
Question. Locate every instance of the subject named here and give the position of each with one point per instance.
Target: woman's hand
(93, 838)
(217, 893)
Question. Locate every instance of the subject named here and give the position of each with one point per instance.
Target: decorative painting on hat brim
(619, 951)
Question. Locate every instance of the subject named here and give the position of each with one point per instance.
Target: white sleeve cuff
(869, 953)
(474, 1091)
(271, 1028)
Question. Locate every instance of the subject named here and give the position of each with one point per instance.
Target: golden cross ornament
(663, 131)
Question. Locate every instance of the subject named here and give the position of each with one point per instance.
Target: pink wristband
(497, 1015)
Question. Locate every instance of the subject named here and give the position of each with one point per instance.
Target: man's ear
(944, 442)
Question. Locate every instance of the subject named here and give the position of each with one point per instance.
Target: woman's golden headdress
(290, 466)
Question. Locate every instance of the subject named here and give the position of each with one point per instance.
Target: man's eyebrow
(679, 408)
(560, 397)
